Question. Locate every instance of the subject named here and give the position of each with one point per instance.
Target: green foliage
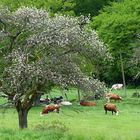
(69, 7)
(118, 26)
(53, 6)
(136, 61)
(61, 6)
(92, 7)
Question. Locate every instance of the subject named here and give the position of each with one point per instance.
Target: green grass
(76, 122)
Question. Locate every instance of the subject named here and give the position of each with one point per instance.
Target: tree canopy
(69, 7)
(39, 51)
(92, 7)
(118, 26)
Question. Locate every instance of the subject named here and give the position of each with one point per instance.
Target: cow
(65, 103)
(111, 107)
(86, 103)
(117, 86)
(113, 96)
(57, 100)
(50, 108)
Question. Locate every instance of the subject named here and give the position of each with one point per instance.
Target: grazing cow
(111, 107)
(66, 103)
(112, 96)
(86, 103)
(57, 100)
(117, 86)
(50, 108)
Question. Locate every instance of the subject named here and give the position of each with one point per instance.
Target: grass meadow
(76, 122)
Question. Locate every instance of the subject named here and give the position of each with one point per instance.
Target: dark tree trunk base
(22, 116)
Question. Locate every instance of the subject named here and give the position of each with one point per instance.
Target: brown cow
(111, 107)
(50, 108)
(86, 103)
(112, 96)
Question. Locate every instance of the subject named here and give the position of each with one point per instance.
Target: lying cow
(65, 103)
(111, 107)
(117, 86)
(86, 103)
(57, 100)
(50, 108)
(112, 96)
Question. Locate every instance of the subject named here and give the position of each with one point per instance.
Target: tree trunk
(123, 75)
(79, 98)
(66, 96)
(22, 117)
(37, 100)
(23, 107)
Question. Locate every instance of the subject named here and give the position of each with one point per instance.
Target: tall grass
(76, 122)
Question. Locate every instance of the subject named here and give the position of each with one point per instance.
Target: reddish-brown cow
(111, 107)
(112, 96)
(50, 108)
(86, 103)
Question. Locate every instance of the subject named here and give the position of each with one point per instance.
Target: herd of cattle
(58, 102)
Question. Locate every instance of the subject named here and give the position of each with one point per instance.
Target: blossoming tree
(38, 51)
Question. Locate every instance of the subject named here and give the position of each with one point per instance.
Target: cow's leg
(57, 110)
(112, 112)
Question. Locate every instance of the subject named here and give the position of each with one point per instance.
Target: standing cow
(111, 107)
(113, 96)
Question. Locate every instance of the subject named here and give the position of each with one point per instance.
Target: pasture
(76, 122)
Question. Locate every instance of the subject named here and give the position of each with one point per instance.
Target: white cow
(117, 86)
(65, 103)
